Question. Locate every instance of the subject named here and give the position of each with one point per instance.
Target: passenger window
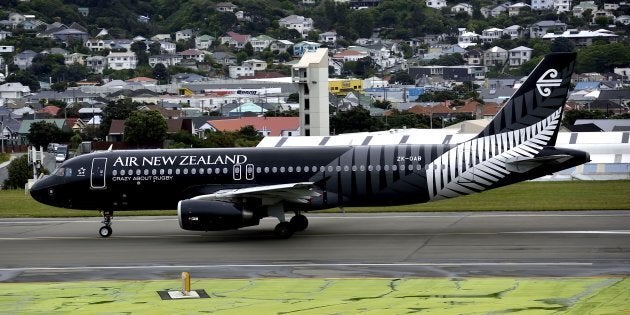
(115, 172)
(282, 169)
(68, 172)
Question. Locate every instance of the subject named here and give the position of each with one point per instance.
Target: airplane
(229, 188)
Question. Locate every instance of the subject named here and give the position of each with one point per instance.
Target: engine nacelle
(198, 215)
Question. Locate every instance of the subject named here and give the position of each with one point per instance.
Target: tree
(160, 73)
(19, 173)
(146, 128)
(121, 109)
(354, 120)
(41, 133)
(562, 44)
(27, 78)
(401, 77)
(140, 49)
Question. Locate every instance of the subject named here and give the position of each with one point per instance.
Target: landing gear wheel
(283, 230)
(299, 223)
(105, 231)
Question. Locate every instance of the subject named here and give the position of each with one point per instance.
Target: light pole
(2, 133)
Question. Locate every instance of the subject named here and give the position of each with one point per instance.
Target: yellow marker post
(186, 283)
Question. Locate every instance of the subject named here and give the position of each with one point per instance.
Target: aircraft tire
(283, 230)
(299, 223)
(105, 231)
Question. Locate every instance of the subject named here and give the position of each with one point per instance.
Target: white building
(436, 4)
(96, 64)
(13, 91)
(519, 56)
(463, 7)
(495, 56)
(296, 22)
(466, 39)
(203, 41)
(122, 60)
(236, 72)
(539, 5)
(255, 64)
(491, 34)
(560, 6)
(311, 75)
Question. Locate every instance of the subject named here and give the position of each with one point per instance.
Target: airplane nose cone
(40, 191)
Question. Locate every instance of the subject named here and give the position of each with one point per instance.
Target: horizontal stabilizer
(524, 164)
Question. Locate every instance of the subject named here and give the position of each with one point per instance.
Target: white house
(467, 39)
(203, 41)
(463, 7)
(517, 8)
(165, 59)
(541, 28)
(579, 9)
(583, 38)
(24, 59)
(240, 71)
(436, 4)
(255, 64)
(183, 35)
(13, 91)
(168, 47)
(281, 45)
(122, 60)
(328, 37)
(297, 22)
(515, 31)
(491, 34)
(623, 19)
(192, 54)
(495, 56)
(519, 56)
(560, 6)
(261, 42)
(539, 5)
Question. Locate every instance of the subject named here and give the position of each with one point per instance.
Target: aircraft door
(237, 172)
(97, 176)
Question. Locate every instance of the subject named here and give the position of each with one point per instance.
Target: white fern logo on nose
(546, 81)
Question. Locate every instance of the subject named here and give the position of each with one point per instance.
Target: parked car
(52, 147)
(62, 153)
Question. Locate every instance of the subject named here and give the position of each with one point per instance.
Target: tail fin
(543, 94)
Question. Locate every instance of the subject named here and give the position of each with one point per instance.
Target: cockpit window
(60, 171)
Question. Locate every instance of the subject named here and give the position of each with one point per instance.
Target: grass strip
(327, 296)
(572, 195)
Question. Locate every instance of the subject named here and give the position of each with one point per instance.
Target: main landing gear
(285, 229)
(106, 229)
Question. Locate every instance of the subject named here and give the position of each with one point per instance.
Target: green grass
(601, 295)
(573, 195)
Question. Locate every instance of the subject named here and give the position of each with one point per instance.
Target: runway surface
(559, 244)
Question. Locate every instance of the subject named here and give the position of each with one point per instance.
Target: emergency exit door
(97, 176)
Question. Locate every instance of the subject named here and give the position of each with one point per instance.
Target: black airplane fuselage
(342, 176)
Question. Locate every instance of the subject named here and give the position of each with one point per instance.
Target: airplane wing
(292, 192)
(524, 164)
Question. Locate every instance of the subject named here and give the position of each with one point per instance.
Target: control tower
(311, 76)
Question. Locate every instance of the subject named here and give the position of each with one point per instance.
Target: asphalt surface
(591, 243)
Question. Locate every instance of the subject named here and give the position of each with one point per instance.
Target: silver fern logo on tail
(544, 84)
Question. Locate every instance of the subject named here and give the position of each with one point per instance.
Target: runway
(590, 243)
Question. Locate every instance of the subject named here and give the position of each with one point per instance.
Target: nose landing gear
(106, 229)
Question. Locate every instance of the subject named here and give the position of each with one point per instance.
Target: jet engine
(198, 215)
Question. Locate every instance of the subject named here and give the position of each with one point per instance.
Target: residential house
(168, 47)
(613, 6)
(499, 9)
(579, 9)
(297, 22)
(70, 35)
(539, 29)
(363, 4)
(280, 45)
(463, 8)
(236, 72)
(247, 109)
(16, 19)
(560, 6)
(623, 19)
(122, 60)
(539, 5)
(191, 54)
(517, 8)
(467, 39)
(436, 4)
(33, 24)
(255, 64)
(224, 58)
(184, 35)
(5, 34)
(515, 31)
(584, 38)
(165, 59)
(328, 37)
(485, 11)
(495, 56)
(350, 55)
(54, 51)
(261, 42)
(266, 126)
(97, 44)
(161, 37)
(25, 126)
(75, 58)
(203, 41)
(455, 73)
(473, 57)
(381, 55)
(24, 59)
(603, 14)
(96, 64)
(235, 40)
(13, 91)
(491, 34)
(145, 81)
(300, 48)
(519, 55)
(226, 7)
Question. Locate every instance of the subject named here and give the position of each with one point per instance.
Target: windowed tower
(311, 76)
